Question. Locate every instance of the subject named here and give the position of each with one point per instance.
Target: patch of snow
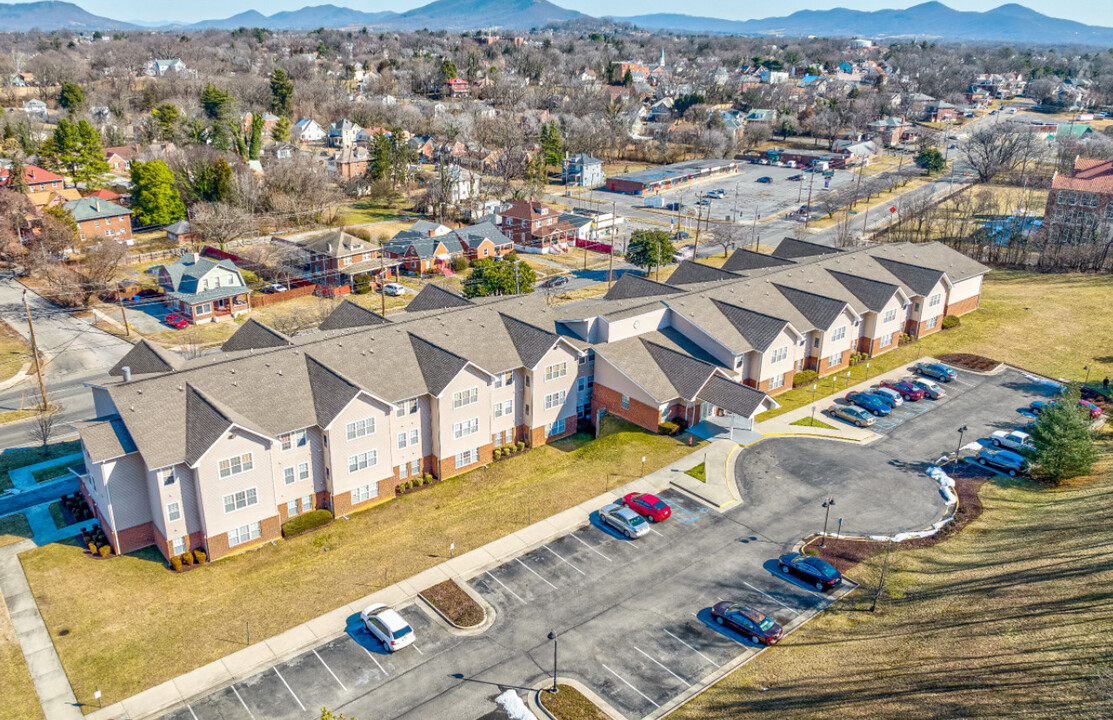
(946, 484)
(514, 706)
(1045, 381)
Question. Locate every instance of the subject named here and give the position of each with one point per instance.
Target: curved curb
(601, 704)
(489, 614)
(20, 376)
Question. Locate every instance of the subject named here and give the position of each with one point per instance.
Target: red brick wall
(824, 368)
(963, 306)
(218, 544)
(538, 438)
(922, 329)
(638, 413)
(764, 384)
(882, 344)
(133, 538)
(447, 466)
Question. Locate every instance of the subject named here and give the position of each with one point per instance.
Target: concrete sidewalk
(275, 650)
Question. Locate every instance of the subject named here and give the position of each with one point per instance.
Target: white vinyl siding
(779, 355)
(239, 500)
(236, 465)
(362, 461)
(360, 428)
(290, 440)
(839, 334)
(245, 533)
(464, 398)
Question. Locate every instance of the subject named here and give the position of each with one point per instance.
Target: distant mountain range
(931, 20)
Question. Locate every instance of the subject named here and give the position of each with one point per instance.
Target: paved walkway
(51, 683)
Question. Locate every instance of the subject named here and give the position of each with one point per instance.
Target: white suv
(388, 626)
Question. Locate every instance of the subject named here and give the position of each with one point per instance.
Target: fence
(594, 246)
(298, 288)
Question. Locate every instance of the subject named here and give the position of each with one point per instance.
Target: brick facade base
(786, 385)
(963, 306)
(882, 344)
(447, 466)
(824, 368)
(538, 438)
(133, 538)
(638, 413)
(217, 545)
(922, 329)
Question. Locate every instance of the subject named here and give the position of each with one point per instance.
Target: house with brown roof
(1080, 205)
(119, 159)
(535, 228)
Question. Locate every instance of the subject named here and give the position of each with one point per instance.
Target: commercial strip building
(670, 177)
(217, 452)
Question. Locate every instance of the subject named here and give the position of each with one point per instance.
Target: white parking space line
(561, 558)
(330, 672)
(697, 652)
(527, 567)
(506, 588)
(655, 532)
(639, 692)
(670, 672)
(245, 707)
(298, 701)
(191, 711)
(418, 649)
(589, 547)
(374, 660)
(759, 592)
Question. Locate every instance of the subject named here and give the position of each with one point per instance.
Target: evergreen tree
(931, 159)
(218, 107)
(256, 137)
(155, 199)
(282, 93)
(281, 132)
(552, 144)
(650, 248)
(1064, 439)
(166, 118)
(628, 78)
(18, 183)
(449, 70)
(72, 97)
(75, 150)
(214, 183)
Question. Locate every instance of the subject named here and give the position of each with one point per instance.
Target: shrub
(951, 321)
(306, 521)
(187, 558)
(362, 285)
(520, 445)
(804, 377)
(199, 557)
(176, 563)
(93, 548)
(905, 338)
(497, 453)
(681, 423)
(428, 477)
(105, 550)
(408, 485)
(459, 264)
(668, 428)
(419, 481)
(858, 358)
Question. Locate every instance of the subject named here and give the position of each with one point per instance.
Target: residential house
(282, 150)
(342, 133)
(425, 247)
(762, 116)
(457, 88)
(180, 232)
(1080, 205)
(940, 111)
(459, 184)
(162, 68)
(106, 194)
(201, 289)
(97, 219)
(535, 228)
(35, 108)
(350, 162)
(44, 199)
(119, 159)
(37, 179)
(482, 241)
(334, 258)
(307, 130)
(582, 170)
(891, 131)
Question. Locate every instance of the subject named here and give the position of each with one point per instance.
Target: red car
(176, 321)
(1094, 410)
(907, 390)
(649, 506)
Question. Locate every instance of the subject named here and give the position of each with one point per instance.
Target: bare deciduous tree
(998, 148)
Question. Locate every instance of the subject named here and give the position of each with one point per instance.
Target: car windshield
(766, 623)
(823, 568)
(637, 520)
(660, 505)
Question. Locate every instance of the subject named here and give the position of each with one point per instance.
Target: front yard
(127, 624)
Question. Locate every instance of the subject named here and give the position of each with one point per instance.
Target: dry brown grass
(568, 703)
(14, 351)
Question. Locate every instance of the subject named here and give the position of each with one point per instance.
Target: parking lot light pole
(827, 505)
(1087, 369)
(553, 637)
(643, 466)
(815, 386)
(958, 451)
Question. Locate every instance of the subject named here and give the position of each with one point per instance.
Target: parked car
(939, 371)
(647, 505)
(894, 397)
(557, 281)
(750, 623)
(1015, 440)
(274, 288)
(682, 235)
(387, 626)
(1005, 461)
(907, 390)
(852, 415)
(675, 206)
(811, 570)
(176, 321)
(1095, 410)
(1037, 406)
(869, 402)
(625, 520)
(931, 390)
(394, 289)
(705, 200)
(798, 177)
(765, 179)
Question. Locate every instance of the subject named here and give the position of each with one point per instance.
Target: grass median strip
(14, 528)
(16, 458)
(568, 703)
(455, 604)
(812, 422)
(129, 635)
(699, 472)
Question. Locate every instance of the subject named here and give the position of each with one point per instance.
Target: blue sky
(1099, 12)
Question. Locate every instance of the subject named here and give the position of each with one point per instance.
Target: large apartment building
(217, 452)
(1080, 205)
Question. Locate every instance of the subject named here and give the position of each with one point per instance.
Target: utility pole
(699, 217)
(610, 264)
(811, 183)
(35, 351)
(382, 279)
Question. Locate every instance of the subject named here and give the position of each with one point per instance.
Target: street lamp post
(958, 451)
(827, 506)
(815, 386)
(1087, 369)
(643, 466)
(553, 637)
(867, 369)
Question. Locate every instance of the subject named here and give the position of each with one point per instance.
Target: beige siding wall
(126, 478)
(446, 415)
(182, 491)
(770, 369)
(500, 396)
(698, 336)
(921, 309)
(409, 422)
(540, 388)
(214, 488)
(631, 326)
(829, 346)
(875, 325)
(381, 441)
(308, 454)
(965, 289)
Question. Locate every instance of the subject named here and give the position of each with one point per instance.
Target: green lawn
(14, 351)
(14, 528)
(51, 473)
(57, 515)
(699, 472)
(1033, 321)
(20, 701)
(812, 422)
(144, 625)
(568, 703)
(20, 457)
(1011, 618)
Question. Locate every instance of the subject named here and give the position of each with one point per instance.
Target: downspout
(111, 513)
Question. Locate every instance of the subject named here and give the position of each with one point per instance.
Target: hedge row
(306, 521)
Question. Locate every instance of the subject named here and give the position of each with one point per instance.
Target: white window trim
(556, 371)
(464, 398)
(352, 429)
(246, 464)
(173, 509)
(465, 428)
(367, 458)
(250, 495)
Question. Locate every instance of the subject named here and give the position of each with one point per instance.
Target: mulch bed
(966, 361)
(455, 604)
(845, 554)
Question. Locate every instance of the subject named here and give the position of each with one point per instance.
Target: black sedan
(811, 570)
(758, 627)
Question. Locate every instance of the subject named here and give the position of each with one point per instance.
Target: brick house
(535, 228)
(97, 219)
(1080, 205)
(350, 162)
(37, 179)
(457, 88)
(119, 159)
(201, 289)
(334, 257)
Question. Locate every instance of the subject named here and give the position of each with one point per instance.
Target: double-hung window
(625, 402)
(779, 355)
(360, 428)
(288, 476)
(556, 370)
(839, 334)
(178, 546)
(166, 476)
(889, 316)
(290, 440)
(935, 299)
(777, 381)
(554, 428)
(555, 400)
(465, 428)
(303, 471)
(245, 533)
(363, 460)
(173, 512)
(235, 465)
(240, 500)
(363, 493)
(467, 458)
(463, 398)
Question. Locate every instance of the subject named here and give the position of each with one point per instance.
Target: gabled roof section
(205, 423)
(630, 285)
(434, 297)
(819, 310)
(438, 366)
(874, 294)
(742, 259)
(758, 329)
(689, 273)
(791, 248)
(530, 341)
(145, 357)
(350, 315)
(920, 280)
(733, 397)
(254, 335)
(686, 373)
(331, 391)
(105, 439)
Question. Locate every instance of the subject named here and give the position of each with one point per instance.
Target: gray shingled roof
(146, 357)
(205, 424)
(350, 315)
(819, 310)
(336, 243)
(742, 259)
(254, 335)
(474, 235)
(690, 273)
(791, 248)
(331, 391)
(920, 280)
(686, 373)
(438, 366)
(758, 329)
(105, 439)
(530, 341)
(731, 396)
(434, 297)
(630, 285)
(874, 294)
(185, 272)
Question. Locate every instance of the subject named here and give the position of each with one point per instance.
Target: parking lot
(632, 617)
